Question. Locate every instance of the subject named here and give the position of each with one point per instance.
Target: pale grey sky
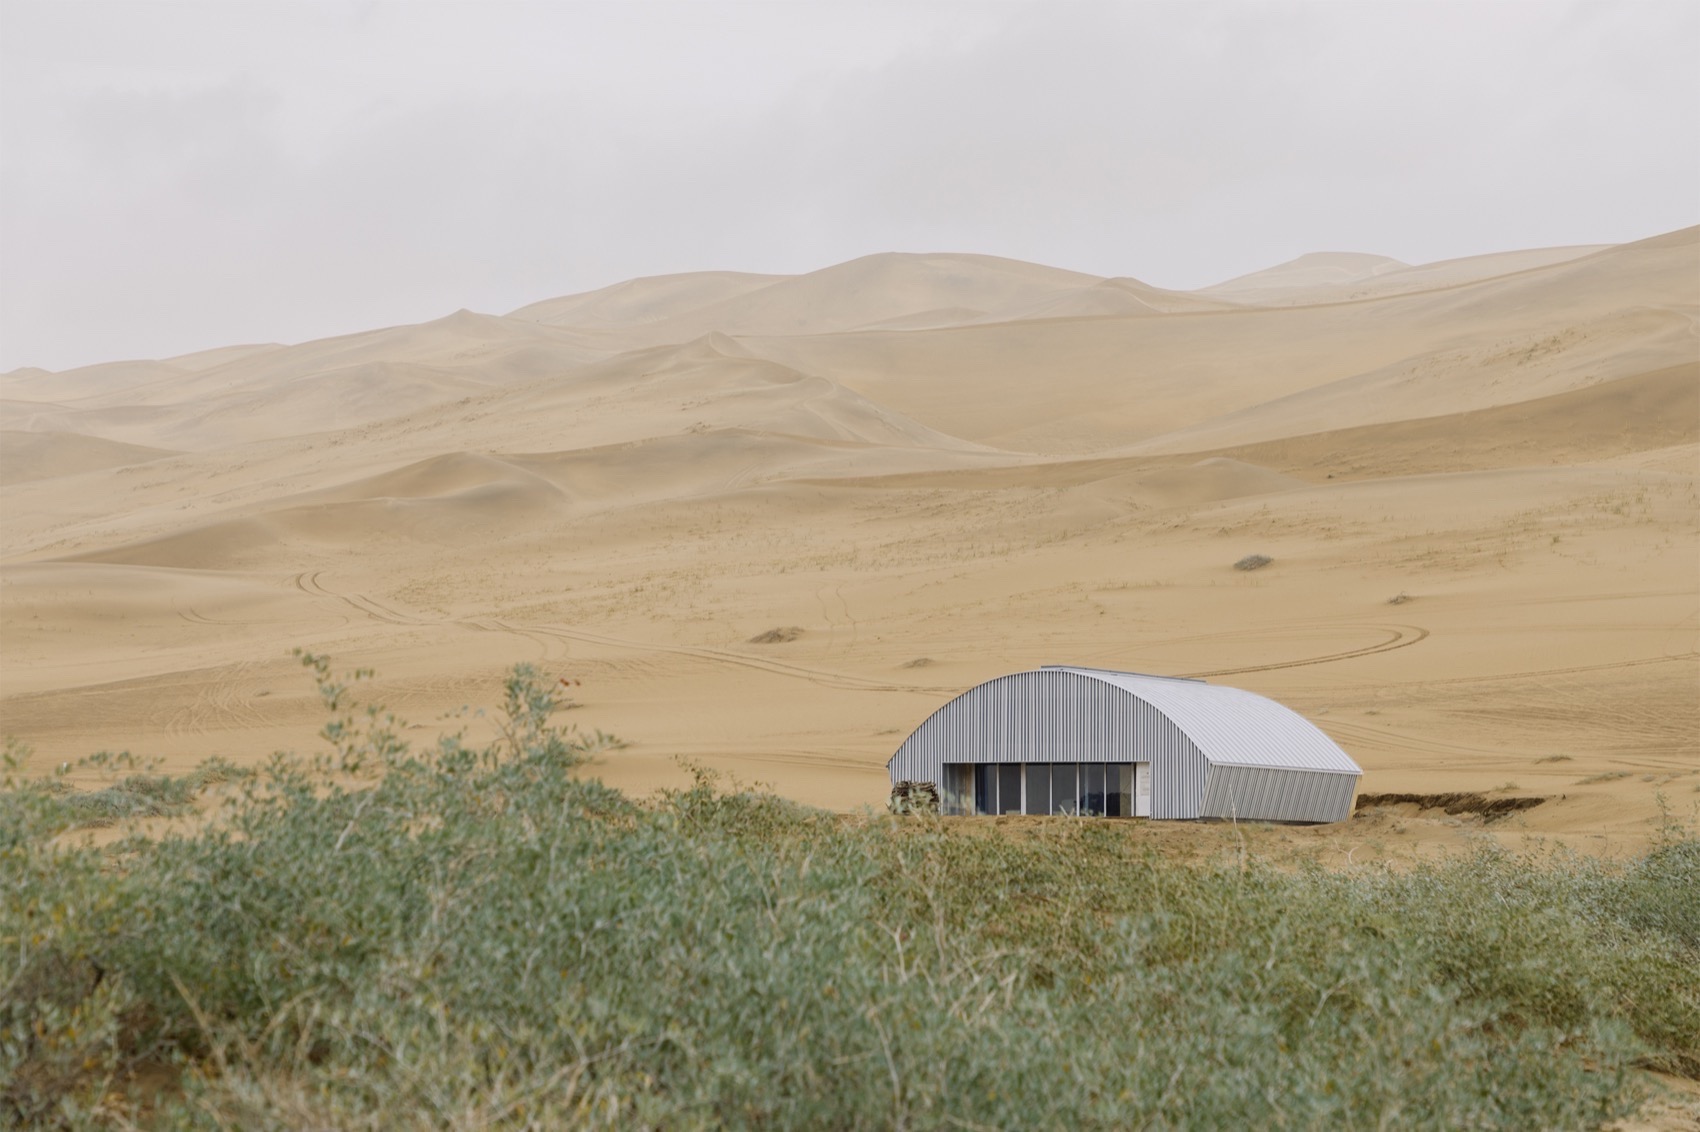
(176, 176)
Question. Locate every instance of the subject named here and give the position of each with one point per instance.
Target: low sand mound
(22, 415)
(140, 615)
(129, 424)
(469, 518)
(457, 499)
(698, 464)
(1647, 412)
(709, 384)
(221, 355)
(640, 302)
(485, 348)
(292, 536)
(930, 319)
(1477, 376)
(1112, 298)
(1404, 280)
(27, 456)
(230, 544)
(106, 378)
(1442, 274)
(460, 498)
(451, 474)
(341, 398)
(1207, 481)
(879, 288)
(1316, 269)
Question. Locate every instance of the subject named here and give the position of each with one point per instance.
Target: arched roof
(1230, 726)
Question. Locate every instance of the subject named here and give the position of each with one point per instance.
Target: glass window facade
(1009, 789)
(1092, 789)
(1119, 795)
(1085, 789)
(1065, 788)
(1038, 798)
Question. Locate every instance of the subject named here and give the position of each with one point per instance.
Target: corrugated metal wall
(1057, 716)
(1270, 764)
(1256, 793)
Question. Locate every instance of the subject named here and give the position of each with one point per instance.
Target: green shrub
(481, 937)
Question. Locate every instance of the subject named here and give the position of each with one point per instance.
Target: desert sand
(1478, 481)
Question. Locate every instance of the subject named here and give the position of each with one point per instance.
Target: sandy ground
(1479, 483)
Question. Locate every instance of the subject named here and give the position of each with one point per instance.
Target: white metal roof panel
(1231, 726)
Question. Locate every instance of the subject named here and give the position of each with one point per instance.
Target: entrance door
(1141, 790)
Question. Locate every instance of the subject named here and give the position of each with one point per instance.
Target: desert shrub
(1253, 562)
(465, 936)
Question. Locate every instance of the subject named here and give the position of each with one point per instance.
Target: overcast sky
(176, 176)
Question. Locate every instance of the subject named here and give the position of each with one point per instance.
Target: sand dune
(1337, 278)
(262, 392)
(638, 302)
(1119, 298)
(868, 291)
(26, 456)
(1067, 387)
(1428, 277)
(88, 381)
(1307, 272)
(1476, 479)
(334, 399)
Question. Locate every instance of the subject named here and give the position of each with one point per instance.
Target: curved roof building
(1071, 740)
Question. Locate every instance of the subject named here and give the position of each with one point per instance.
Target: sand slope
(1478, 481)
(26, 456)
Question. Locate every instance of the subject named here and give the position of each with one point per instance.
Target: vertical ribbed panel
(1247, 793)
(1057, 716)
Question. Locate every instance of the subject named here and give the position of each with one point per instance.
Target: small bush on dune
(480, 937)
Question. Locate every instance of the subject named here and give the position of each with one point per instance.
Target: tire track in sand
(309, 583)
(1402, 637)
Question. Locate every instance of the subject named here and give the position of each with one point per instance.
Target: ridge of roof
(1117, 672)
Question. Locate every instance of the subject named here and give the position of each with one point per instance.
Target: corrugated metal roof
(1231, 726)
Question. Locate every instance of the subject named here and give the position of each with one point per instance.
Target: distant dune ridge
(986, 463)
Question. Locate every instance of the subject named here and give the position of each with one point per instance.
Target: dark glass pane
(985, 790)
(1121, 789)
(1065, 788)
(1038, 788)
(1092, 788)
(1009, 788)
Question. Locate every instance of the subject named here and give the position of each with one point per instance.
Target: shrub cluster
(481, 937)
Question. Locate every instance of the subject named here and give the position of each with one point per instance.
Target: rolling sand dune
(863, 292)
(638, 302)
(26, 456)
(1072, 387)
(1115, 298)
(88, 381)
(1309, 272)
(1478, 482)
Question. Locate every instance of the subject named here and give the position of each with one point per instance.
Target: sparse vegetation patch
(479, 937)
(1453, 804)
(777, 636)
